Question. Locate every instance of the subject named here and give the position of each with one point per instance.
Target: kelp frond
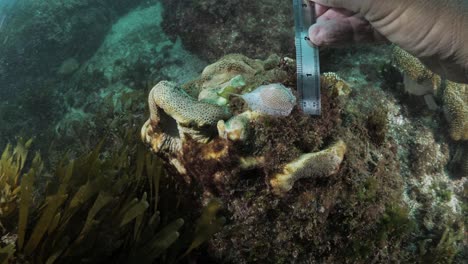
(12, 169)
(95, 209)
(207, 225)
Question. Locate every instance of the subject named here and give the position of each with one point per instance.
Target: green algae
(93, 197)
(207, 225)
(395, 222)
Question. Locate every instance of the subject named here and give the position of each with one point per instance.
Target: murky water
(126, 139)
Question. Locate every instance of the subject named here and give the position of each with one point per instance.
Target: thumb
(352, 5)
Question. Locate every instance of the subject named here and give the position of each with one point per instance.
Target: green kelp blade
(154, 221)
(162, 240)
(88, 166)
(25, 203)
(207, 225)
(140, 161)
(134, 211)
(64, 243)
(101, 201)
(87, 191)
(55, 223)
(6, 253)
(53, 204)
(26, 198)
(6, 153)
(21, 152)
(122, 160)
(8, 167)
(154, 172)
(148, 230)
(163, 244)
(137, 228)
(65, 172)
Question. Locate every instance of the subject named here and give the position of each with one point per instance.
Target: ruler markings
(307, 58)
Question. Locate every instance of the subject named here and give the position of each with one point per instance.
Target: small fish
(271, 99)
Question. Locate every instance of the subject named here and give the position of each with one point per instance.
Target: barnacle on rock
(318, 164)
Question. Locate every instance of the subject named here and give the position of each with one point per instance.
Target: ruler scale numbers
(307, 58)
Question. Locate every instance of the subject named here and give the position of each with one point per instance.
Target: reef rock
(298, 188)
(211, 139)
(211, 29)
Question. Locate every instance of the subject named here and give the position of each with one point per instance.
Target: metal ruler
(307, 58)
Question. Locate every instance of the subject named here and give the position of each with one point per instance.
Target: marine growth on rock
(180, 127)
(419, 80)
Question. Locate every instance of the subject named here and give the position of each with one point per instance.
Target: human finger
(320, 9)
(335, 13)
(343, 31)
(352, 5)
(331, 33)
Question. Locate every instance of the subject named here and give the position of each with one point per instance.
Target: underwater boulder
(213, 29)
(341, 187)
(239, 154)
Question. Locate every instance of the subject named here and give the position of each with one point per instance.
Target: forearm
(435, 31)
(449, 40)
(464, 29)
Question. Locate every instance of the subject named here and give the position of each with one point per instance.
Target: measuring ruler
(307, 58)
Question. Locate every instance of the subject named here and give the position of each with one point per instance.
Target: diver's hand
(436, 31)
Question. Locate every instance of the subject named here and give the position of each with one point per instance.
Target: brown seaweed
(90, 212)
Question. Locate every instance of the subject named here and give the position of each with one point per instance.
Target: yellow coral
(455, 99)
(454, 96)
(174, 115)
(319, 164)
(229, 66)
(334, 84)
(415, 70)
(175, 102)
